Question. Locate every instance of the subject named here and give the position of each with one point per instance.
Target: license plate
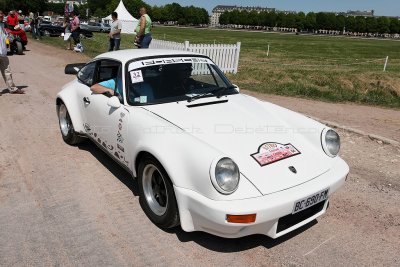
(310, 201)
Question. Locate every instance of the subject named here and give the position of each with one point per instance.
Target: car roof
(129, 54)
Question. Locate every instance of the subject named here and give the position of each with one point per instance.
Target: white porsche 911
(206, 156)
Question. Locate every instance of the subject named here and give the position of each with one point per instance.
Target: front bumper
(199, 213)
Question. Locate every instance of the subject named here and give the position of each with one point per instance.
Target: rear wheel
(157, 195)
(67, 129)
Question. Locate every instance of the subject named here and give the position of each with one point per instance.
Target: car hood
(244, 129)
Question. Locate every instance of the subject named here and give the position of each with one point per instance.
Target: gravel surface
(73, 206)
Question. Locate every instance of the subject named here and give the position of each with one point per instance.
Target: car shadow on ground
(203, 239)
(119, 172)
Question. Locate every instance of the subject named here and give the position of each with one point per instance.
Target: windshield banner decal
(165, 61)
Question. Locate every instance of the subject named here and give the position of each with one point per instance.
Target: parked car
(206, 156)
(56, 30)
(96, 27)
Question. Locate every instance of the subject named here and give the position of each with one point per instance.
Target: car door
(85, 79)
(108, 125)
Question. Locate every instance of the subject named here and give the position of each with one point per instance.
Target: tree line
(312, 21)
(171, 12)
(174, 12)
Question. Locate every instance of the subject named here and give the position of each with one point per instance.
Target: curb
(352, 130)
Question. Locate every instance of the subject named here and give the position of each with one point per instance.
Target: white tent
(129, 23)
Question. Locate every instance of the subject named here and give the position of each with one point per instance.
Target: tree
(98, 7)
(394, 25)
(322, 20)
(132, 6)
(300, 21)
(383, 25)
(24, 5)
(350, 24)
(340, 22)
(360, 25)
(371, 25)
(311, 21)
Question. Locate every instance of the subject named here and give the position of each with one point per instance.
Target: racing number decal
(269, 153)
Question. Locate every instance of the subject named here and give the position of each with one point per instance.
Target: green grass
(335, 69)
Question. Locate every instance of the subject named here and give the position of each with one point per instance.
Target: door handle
(86, 100)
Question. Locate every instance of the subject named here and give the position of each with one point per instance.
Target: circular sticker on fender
(269, 153)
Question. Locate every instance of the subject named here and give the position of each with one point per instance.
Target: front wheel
(20, 48)
(67, 129)
(157, 194)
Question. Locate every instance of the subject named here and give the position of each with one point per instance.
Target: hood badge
(293, 169)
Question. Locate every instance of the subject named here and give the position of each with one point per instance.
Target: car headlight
(225, 176)
(330, 142)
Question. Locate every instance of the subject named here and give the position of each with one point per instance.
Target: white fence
(226, 56)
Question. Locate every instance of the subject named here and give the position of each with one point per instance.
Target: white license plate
(310, 201)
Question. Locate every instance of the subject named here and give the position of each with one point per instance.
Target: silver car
(96, 27)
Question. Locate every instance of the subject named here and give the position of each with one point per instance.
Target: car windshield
(175, 79)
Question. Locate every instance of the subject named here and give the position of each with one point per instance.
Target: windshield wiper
(218, 92)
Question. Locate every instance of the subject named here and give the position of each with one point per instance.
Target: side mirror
(74, 68)
(114, 102)
(236, 87)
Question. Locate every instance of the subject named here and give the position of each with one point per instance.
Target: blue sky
(381, 7)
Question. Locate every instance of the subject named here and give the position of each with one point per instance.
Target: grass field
(335, 69)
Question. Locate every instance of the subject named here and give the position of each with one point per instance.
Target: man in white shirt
(4, 61)
(115, 33)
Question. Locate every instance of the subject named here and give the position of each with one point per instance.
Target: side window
(86, 74)
(110, 72)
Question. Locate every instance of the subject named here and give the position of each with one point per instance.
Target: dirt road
(72, 206)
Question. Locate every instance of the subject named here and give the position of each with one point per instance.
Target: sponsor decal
(122, 114)
(116, 155)
(120, 139)
(269, 153)
(87, 128)
(120, 126)
(120, 147)
(110, 147)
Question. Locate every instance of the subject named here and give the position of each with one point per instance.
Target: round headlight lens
(227, 175)
(332, 143)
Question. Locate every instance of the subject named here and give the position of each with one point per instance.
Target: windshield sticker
(143, 99)
(165, 61)
(269, 153)
(136, 76)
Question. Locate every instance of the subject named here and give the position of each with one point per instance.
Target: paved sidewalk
(374, 121)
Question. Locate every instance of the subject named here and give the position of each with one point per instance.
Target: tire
(20, 48)
(47, 33)
(156, 192)
(67, 129)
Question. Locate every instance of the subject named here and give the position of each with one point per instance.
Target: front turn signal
(248, 218)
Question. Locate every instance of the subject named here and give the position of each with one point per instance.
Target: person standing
(32, 24)
(5, 62)
(12, 20)
(115, 33)
(67, 33)
(143, 30)
(75, 28)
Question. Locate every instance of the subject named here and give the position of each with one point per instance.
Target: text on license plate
(310, 201)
